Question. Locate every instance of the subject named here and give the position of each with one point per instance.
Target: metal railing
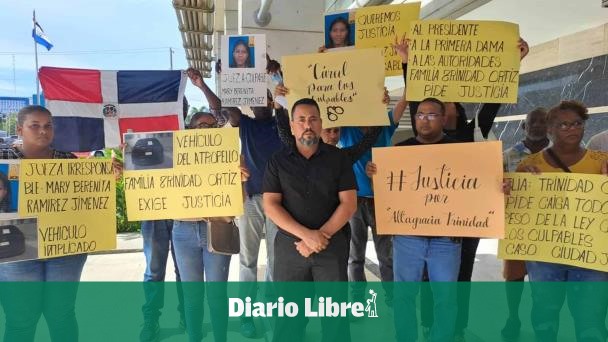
(195, 22)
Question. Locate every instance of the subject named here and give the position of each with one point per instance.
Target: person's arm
(526, 166)
(488, 111)
(233, 116)
(345, 210)
(215, 104)
(316, 240)
(197, 79)
(486, 116)
(413, 104)
(273, 208)
(347, 194)
(399, 109)
(356, 151)
(283, 127)
(402, 48)
(283, 118)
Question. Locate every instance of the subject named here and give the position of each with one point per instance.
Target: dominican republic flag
(93, 108)
(40, 37)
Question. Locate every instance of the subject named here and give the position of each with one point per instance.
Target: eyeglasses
(428, 116)
(565, 125)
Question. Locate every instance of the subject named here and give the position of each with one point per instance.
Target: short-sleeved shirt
(14, 153)
(414, 142)
(514, 155)
(599, 142)
(591, 163)
(259, 140)
(310, 187)
(350, 136)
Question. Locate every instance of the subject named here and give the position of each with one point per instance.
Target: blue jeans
(196, 265)
(586, 303)
(25, 303)
(157, 243)
(364, 217)
(442, 259)
(252, 226)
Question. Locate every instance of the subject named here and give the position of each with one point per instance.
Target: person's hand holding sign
(195, 77)
(523, 47)
(533, 169)
(386, 99)
(117, 163)
(280, 90)
(244, 173)
(370, 169)
(507, 184)
(402, 47)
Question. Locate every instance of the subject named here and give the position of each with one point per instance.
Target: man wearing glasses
(441, 255)
(202, 120)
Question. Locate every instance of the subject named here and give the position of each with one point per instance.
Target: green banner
(300, 311)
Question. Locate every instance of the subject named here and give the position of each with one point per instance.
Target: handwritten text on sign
(463, 61)
(434, 190)
(205, 180)
(348, 85)
(243, 85)
(377, 26)
(74, 201)
(557, 217)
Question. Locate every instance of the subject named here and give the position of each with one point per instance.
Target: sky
(95, 34)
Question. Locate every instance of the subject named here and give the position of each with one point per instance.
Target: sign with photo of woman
(340, 29)
(242, 54)
(9, 187)
(243, 78)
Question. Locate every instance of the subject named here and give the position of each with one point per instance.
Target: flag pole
(36, 54)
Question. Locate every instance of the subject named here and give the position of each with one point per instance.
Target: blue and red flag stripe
(93, 108)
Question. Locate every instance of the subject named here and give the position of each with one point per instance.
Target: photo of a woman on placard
(339, 32)
(241, 53)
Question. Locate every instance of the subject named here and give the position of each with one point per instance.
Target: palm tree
(193, 110)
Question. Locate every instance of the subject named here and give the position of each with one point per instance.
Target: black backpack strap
(558, 161)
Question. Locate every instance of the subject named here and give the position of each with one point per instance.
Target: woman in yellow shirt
(566, 123)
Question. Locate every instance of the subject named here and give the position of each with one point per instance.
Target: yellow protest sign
(434, 190)
(463, 61)
(348, 85)
(377, 26)
(183, 174)
(74, 201)
(557, 217)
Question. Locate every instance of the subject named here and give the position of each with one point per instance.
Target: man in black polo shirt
(310, 193)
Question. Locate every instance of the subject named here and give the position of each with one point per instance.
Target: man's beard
(309, 141)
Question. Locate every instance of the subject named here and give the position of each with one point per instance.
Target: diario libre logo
(326, 307)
